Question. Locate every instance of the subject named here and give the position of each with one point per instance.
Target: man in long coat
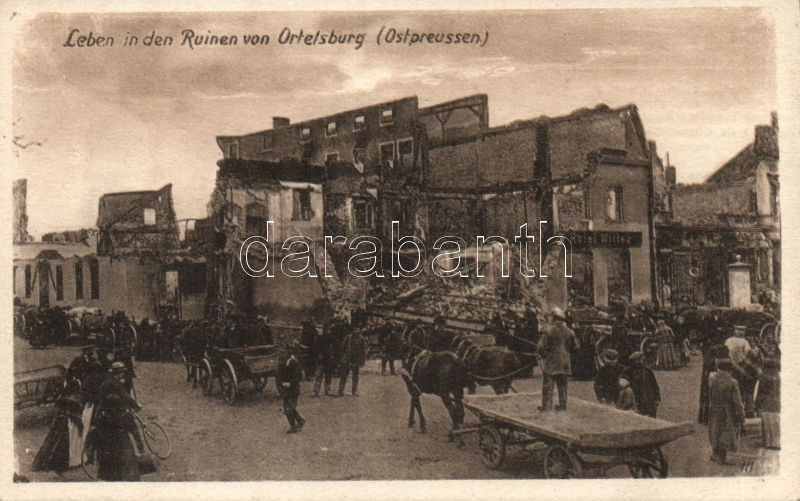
(554, 348)
(115, 453)
(725, 412)
(288, 380)
(644, 385)
(354, 356)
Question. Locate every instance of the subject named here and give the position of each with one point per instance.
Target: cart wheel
(206, 377)
(187, 367)
(560, 462)
(230, 387)
(599, 348)
(259, 382)
(648, 346)
(652, 463)
(89, 461)
(156, 439)
(492, 447)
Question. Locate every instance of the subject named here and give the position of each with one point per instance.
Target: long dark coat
(645, 388)
(725, 412)
(554, 349)
(115, 454)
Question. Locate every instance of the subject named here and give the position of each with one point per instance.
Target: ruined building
(734, 212)
(442, 171)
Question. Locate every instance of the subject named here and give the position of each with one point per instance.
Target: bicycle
(152, 433)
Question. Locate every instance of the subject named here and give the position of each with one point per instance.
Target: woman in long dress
(63, 445)
(665, 338)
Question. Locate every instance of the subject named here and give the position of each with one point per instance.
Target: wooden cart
(38, 386)
(586, 435)
(232, 366)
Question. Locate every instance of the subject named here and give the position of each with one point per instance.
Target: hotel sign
(605, 238)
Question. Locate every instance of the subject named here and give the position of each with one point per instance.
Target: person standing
(288, 382)
(308, 336)
(326, 360)
(665, 358)
(710, 358)
(768, 403)
(114, 426)
(80, 365)
(62, 448)
(390, 347)
(354, 356)
(725, 412)
(619, 337)
(737, 345)
(437, 338)
(644, 385)
(606, 383)
(496, 329)
(554, 355)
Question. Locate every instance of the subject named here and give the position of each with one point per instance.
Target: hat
(725, 364)
(88, 347)
(611, 355)
(558, 313)
(117, 367)
(636, 355)
(739, 328)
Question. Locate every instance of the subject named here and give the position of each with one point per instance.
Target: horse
(435, 373)
(493, 366)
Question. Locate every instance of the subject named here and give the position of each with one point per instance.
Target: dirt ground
(363, 437)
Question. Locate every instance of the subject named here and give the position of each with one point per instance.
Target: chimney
(671, 175)
(278, 122)
(774, 116)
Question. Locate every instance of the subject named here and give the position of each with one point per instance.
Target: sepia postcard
(423, 251)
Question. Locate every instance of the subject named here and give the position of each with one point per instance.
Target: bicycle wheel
(156, 439)
(89, 458)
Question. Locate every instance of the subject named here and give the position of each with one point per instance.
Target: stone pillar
(739, 284)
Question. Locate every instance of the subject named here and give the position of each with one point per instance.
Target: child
(626, 400)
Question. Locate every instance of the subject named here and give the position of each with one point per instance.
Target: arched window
(256, 219)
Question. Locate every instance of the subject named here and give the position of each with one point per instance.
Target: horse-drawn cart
(232, 366)
(587, 435)
(38, 386)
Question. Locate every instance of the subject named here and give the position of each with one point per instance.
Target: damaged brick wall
(702, 204)
(494, 159)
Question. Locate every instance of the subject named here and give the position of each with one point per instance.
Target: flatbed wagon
(233, 366)
(38, 386)
(586, 436)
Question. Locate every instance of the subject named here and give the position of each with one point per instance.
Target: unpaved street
(346, 438)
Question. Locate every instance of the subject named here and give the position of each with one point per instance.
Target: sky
(98, 120)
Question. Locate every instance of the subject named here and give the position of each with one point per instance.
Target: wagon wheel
(652, 462)
(259, 382)
(206, 377)
(230, 386)
(599, 348)
(560, 462)
(134, 340)
(89, 461)
(492, 446)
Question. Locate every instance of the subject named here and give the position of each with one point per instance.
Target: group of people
(631, 386)
(740, 380)
(338, 348)
(93, 409)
